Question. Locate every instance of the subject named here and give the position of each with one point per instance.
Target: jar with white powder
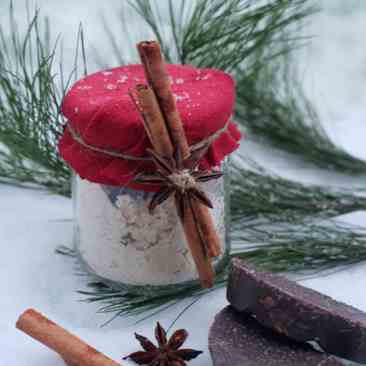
(118, 240)
(105, 143)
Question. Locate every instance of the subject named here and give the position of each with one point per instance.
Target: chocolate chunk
(298, 312)
(237, 339)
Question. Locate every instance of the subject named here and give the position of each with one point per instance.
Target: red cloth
(99, 108)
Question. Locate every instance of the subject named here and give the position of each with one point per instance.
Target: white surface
(33, 223)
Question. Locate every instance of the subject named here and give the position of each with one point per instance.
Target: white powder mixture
(119, 240)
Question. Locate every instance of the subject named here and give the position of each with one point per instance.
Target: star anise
(167, 353)
(180, 178)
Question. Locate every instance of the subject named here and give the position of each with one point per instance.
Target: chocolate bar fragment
(237, 339)
(298, 312)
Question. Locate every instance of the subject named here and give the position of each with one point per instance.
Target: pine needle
(308, 248)
(30, 97)
(218, 33)
(301, 248)
(258, 195)
(272, 105)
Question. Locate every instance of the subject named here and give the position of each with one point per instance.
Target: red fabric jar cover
(100, 109)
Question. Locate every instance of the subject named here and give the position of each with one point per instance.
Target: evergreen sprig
(216, 33)
(260, 196)
(303, 248)
(30, 118)
(272, 105)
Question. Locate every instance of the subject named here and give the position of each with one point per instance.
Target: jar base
(149, 289)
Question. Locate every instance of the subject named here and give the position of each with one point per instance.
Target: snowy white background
(33, 223)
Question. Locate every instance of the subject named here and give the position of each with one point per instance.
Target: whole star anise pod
(180, 178)
(167, 353)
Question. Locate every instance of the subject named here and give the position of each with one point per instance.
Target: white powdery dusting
(204, 77)
(122, 79)
(181, 96)
(111, 87)
(85, 87)
(126, 244)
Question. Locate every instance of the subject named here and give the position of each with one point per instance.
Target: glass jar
(119, 241)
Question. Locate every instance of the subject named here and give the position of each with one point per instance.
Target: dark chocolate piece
(298, 312)
(237, 339)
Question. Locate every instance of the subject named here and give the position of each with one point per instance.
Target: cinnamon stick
(156, 125)
(200, 256)
(73, 350)
(154, 121)
(207, 228)
(158, 78)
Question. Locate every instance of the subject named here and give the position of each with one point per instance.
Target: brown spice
(158, 78)
(167, 353)
(73, 350)
(207, 227)
(149, 109)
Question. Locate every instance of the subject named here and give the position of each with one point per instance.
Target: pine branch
(273, 106)
(122, 303)
(30, 117)
(258, 195)
(219, 33)
(135, 301)
(305, 247)
(308, 248)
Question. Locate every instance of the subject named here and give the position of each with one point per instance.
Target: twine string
(116, 154)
